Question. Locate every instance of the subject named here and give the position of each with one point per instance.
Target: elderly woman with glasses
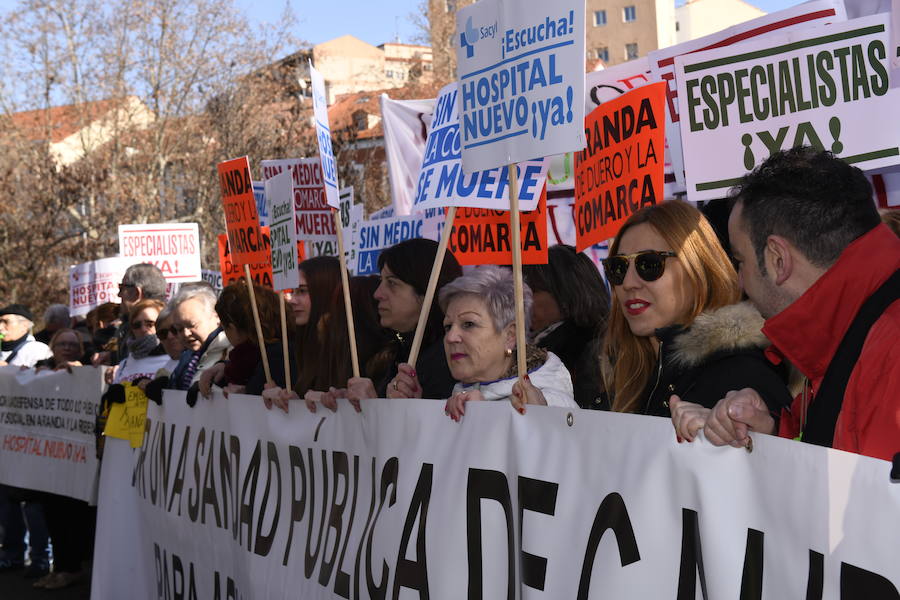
(480, 344)
(678, 340)
(67, 348)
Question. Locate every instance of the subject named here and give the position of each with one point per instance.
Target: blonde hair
(630, 359)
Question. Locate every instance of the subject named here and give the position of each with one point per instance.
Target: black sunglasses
(649, 264)
(162, 334)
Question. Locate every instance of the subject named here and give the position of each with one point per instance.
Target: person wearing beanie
(17, 346)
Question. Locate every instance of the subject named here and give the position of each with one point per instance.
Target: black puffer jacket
(720, 352)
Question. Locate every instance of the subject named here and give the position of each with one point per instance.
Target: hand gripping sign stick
(345, 282)
(432, 284)
(259, 333)
(517, 269)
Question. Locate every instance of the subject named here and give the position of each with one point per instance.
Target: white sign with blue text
(282, 233)
(521, 80)
(375, 236)
(323, 134)
(442, 181)
(259, 194)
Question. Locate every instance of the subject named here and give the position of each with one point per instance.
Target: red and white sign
(313, 219)
(94, 283)
(173, 247)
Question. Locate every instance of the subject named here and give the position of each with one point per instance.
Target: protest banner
(261, 273)
(441, 180)
(94, 283)
(482, 237)
(312, 214)
(126, 420)
(376, 236)
(399, 502)
(825, 87)
(47, 430)
(323, 136)
(174, 248)
(351, 217)
(662, 61)
(521, 80)
(404, 124)
(262, 209)
(620, 171)
(282, 233)
(241, 220)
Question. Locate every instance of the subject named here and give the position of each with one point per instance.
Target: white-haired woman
(480, 344)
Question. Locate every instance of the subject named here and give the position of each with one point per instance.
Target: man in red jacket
(814, 258)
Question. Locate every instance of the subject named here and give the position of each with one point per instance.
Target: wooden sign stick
(259, 334)
(345, 281)
(515, 240)
(284, 342)
(432, 286)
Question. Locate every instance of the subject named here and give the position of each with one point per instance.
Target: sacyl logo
(469, 38)
(472, 34)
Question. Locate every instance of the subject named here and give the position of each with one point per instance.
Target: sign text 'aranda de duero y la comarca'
(621, 170)
(521, 80)
(482, 236)
(241, 220)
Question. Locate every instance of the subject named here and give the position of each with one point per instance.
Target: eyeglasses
(165, 333)
(148, 324)
(649, 264)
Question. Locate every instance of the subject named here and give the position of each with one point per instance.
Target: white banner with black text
(229, 500)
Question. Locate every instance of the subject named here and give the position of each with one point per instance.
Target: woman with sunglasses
(675, 326)
(146, 355)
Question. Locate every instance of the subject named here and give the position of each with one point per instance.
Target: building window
(599, 18)
(677, 26)
(629, 14)
(389, 74)
(631, 51)
(603, 54)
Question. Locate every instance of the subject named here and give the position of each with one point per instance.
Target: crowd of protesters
(785, 324)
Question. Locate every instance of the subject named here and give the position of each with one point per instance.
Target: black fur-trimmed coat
(721, 351)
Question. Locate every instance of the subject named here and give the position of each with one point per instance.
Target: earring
(509, 352)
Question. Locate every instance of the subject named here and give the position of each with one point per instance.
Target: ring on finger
(395, 386)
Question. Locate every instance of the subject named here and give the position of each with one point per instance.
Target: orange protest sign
(261, 273)
(482, 237)
(620, 171)
(241, 218)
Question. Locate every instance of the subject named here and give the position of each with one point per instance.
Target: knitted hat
(17, 309)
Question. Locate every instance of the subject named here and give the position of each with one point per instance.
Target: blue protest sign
(442, 181)
(521, 80)
(323, 134)
(375, 236)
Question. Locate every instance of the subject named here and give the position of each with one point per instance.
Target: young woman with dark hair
(243, 371)
(568, 317)
(405, 270)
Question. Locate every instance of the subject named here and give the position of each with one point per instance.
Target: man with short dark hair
(814, 258)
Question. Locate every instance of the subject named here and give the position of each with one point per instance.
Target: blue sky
(374, 21)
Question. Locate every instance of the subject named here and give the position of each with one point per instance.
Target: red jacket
(808, 332)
